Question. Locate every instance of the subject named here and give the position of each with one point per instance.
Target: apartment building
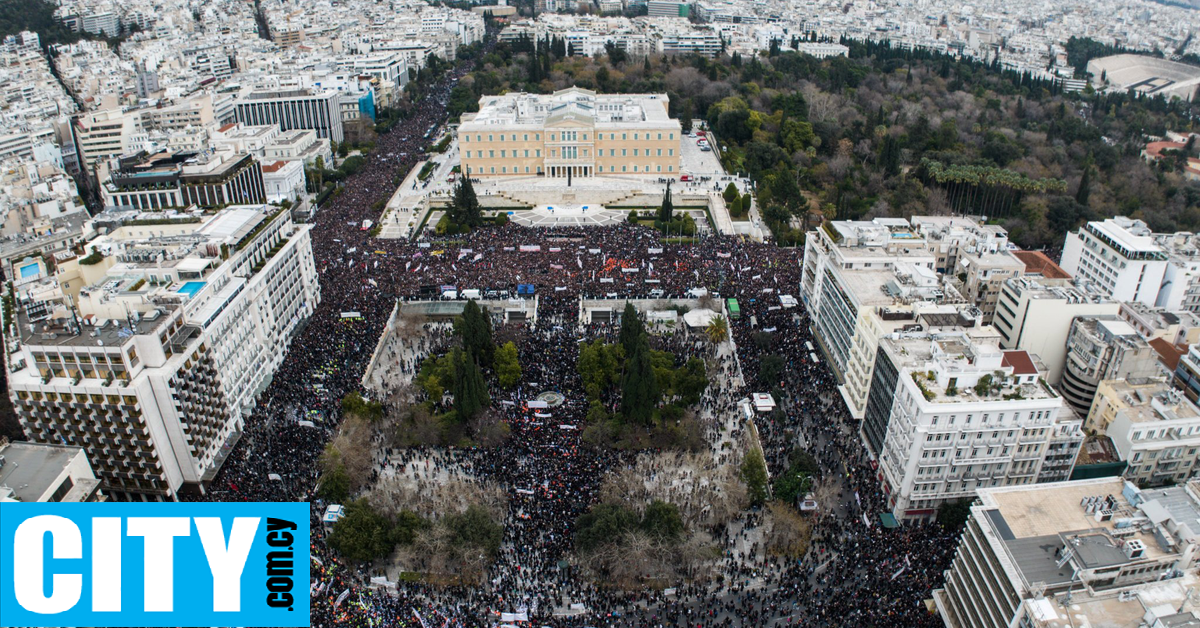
(1115, 395)
(153, 369)
(176, 180)
(1035, 315)
(102, 135)
(1084, 553)
(1102, 348)
(38, 472)
(846, 269)
(703, 43)
(1157, 433)
(1119, 256)
(951, 413)
(197, 112)
(318, 110)
(572, 132)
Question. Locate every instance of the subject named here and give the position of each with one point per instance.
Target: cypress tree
(667, 210)
(470, 391)
(475, 329)
(631, 328)
(639, 391)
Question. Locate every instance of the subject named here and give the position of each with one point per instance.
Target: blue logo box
(154, 564)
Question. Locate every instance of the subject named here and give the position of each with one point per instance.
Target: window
(623, 152)
(504, 170)
(502, 154)
(526, 137)
(660, 136)
(635, 152)
(624, 136)
(492, 153)
(501, 137)
(670, 152)
(659, 152)
(552, 136)
(489, 137)
(478, 138)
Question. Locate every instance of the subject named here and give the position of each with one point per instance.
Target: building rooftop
(1037, 263)
(602, 110)
(28, 470)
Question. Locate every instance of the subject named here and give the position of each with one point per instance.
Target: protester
(856, 572)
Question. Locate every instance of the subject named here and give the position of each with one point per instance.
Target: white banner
(538, 404)
(275, 477)
(531, 248)
(630, 270)
(542, 415)
(594, 251)
(654, 251)
(507, 617)
(606, 280)
(341, 598)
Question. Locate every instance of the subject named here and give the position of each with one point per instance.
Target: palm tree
(717, 330)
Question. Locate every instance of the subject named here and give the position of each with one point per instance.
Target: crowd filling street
(856, 571)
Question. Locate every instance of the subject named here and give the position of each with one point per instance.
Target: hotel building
(153, 367)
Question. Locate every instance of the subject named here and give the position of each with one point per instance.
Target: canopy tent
(699, 318)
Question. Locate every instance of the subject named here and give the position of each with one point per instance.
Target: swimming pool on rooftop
(191, 288)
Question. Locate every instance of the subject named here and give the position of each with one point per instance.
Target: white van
(470, 294)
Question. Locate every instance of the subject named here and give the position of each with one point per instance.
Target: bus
(734, 311)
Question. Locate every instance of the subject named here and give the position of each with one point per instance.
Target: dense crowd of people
(857, 572)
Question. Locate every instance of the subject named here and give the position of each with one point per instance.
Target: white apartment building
(951, 413)
(102, 135)
(1101, 348)
(1071, 554)
(1119, 256)
(1157, 433)
(1035, 315)
(845, 269)
(153, 369)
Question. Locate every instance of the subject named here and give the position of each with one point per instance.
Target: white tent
(764, 402)
(699, 318)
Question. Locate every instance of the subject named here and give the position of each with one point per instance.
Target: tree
(597, 368)
(953, 514)
(666, 211)
(335, 484)
(631, 328)
(474, 326)
(731, 193)
(362, 535)
(475, 529)
(662, 521)
(507, 365)
(1085, 184)
(770, 370)
(465, 209)
(639, 391)
(470, 391)
(717, 330)
(602, 525)
(754, 474)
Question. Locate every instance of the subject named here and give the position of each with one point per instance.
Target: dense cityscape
(624, 313)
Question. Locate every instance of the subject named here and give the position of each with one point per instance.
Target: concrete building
(176, 180)
(572, 132)
(37, 472)
(299, 145)
(1187, 373)
(1118, 256)
(197, 112)
(1103, 348)
(1115, 395)
(951, 413)
(1084, 553)
(153, 369)
(1036, 316)
(293, 109)
(823, 50)
(102, 135)
(667, 8)
(283, 180)
(1157, 432)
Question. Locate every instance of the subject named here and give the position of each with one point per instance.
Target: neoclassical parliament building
(572, 132)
